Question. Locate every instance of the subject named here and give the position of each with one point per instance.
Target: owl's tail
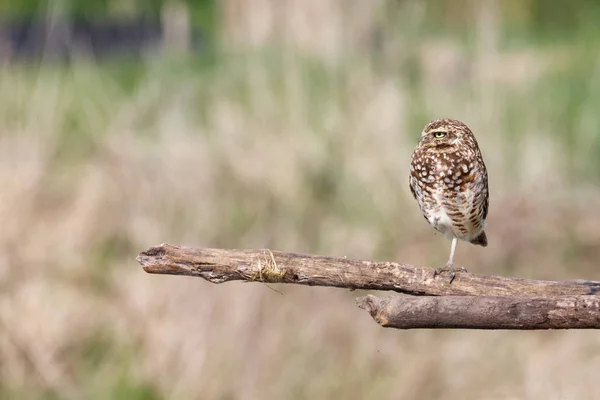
(481, 240)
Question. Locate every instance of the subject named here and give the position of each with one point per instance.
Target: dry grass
(287, 153)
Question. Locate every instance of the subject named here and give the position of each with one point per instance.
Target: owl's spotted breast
(450, 186)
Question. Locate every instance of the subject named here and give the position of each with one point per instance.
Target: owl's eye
(439, 135)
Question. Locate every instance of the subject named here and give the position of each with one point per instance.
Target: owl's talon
(452, 276)
(448, 268)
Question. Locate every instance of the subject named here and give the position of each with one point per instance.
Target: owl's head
(446, 134)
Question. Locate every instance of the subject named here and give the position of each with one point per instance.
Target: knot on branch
(373, 306)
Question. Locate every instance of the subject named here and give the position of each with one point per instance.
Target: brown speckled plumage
(449, 180)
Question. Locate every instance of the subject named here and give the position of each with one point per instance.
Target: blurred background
(285, 124)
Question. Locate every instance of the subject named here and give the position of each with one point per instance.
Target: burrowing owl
(449, 181)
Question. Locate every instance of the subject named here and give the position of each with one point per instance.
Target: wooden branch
(219, 265)
(468, 312)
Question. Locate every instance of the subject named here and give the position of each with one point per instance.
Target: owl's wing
(486, 200)
(412, 189)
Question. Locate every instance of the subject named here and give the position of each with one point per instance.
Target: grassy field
(286, 149)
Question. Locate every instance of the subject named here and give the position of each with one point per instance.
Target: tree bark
(222, 265)
(469, 312)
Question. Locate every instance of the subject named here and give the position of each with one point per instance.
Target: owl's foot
(449, 268)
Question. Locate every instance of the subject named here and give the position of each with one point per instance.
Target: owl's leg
(452, 251)
(449, 265)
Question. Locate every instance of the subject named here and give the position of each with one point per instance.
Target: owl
(449, 180)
